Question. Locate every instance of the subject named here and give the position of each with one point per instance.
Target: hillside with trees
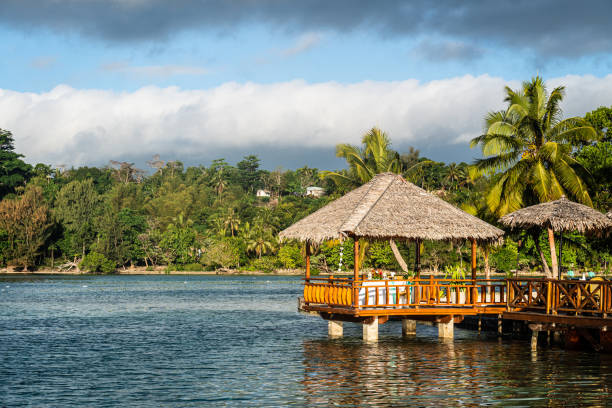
(101, 219)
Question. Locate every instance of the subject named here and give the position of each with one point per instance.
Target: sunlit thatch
(560, 215)
(390, 207)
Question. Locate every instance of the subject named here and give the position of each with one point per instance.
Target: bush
(290, 256)
(504, 258)
(331, 251)
(96, 262)
(192, 267)
(381, 255)
(221, 254)
(264, 264)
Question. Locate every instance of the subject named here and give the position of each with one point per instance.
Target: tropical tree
(76, 206)
(25, 222)
(232, 221)
(527, 149)
(14, 172)
(454, 175)
(260, 242)
(375, 156)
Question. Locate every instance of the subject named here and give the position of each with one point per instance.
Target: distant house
(315, 192)
(263, 193)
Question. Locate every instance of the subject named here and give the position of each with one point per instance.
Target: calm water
(177, 341)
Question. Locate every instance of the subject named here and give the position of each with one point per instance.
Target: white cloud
(304, 43)
(152, 71)
(88, 126)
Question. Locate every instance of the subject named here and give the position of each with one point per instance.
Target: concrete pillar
(534, 340)
(370, 331)
(408, 327)
(446, 330)
(334, 329)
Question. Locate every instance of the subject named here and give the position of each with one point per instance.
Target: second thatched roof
(390, 207)
(560, 215)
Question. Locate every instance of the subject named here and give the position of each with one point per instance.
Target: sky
(86, 81)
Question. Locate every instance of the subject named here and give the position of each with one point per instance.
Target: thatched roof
(560, 215)
(390, 207)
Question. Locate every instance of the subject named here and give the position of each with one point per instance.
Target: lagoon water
(192, 341)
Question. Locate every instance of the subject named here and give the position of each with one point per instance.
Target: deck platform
(564, 304)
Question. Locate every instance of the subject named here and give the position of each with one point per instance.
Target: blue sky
(87, 81)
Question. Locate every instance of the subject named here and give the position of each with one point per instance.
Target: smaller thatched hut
(558, 216)
(388, 208)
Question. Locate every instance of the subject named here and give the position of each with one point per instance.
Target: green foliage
(177, 244)
(504, 258)
(264, 264)
(222, 254)
(75, 207)
(601, 119)
(185, 217)
(597, 159)
(97, 262)
(25, 222)
(528, 149)
(455, 272)
(14, 172)
(364, 163)
(290, 256)
(330, 252)
(381, 256)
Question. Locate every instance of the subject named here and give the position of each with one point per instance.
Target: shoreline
(223, 272)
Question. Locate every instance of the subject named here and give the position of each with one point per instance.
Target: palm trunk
(398, 256)
(553, 253)
(542, 257)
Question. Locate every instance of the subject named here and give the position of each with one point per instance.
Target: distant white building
(263, 193)
(315, 192)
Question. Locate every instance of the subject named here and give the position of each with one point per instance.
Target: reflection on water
(238, 341)
(470, 372)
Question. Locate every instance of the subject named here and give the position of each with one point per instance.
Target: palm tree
(260, 242)
(218, 181)
(232, 221)
(454, 175)
(528, 148)
(365, 162)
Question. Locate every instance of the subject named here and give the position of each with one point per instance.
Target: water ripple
(144, 341)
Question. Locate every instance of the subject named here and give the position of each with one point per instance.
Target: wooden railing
(571, 297)
(400, 293)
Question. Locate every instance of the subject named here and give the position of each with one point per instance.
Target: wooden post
(307, 260)
(474, 260)
(560, 255)
(553, 254)
(417, 258)
(474, 290)
(356, 269)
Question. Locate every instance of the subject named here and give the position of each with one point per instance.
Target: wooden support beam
(417, 258)
(473, 259)
(474, 291)
(356, 253)
(307, 260)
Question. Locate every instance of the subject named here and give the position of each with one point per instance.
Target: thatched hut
(389, 208)
(558, 216)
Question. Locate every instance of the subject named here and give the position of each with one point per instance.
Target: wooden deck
(568, 302)
(414, 297)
